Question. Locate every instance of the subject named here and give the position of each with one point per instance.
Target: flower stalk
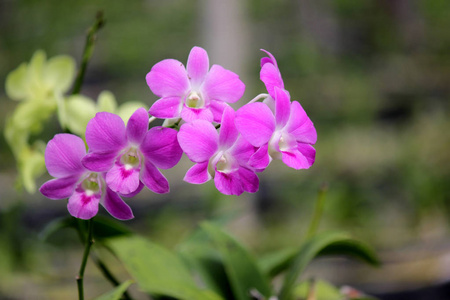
(87, 248)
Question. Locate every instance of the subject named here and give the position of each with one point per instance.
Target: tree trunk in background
(225, 33)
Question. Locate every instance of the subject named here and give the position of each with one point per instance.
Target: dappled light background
(373, 76)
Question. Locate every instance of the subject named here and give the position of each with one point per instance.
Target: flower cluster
(228, 146)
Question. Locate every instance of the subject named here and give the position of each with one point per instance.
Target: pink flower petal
(217, 108)
(61, 188)
(303, 158)
(228, 183)
(82, 205)
(199, 140)
(122, 179)
(223, 85)
(137, 126)
(261, 159)
(106, 133)
(154, 180)
(63, 155)
(282, 107)
(228, 133)
(242, 150)
(198, 174)
(168, 107)
(190, 114)
(197, 66)
(168, 78)
(271, 77)
(271, 59)
(256, 122)
(116, 206)
(137, 191)
(300, 126)
(249, 180)
(99, 162)
(161, 148)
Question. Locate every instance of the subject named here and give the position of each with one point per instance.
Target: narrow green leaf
(157, 270)
(274, 263)
(319, 244)
(116, 293)
(242, 270)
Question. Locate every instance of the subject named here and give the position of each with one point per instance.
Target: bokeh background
(374, 77)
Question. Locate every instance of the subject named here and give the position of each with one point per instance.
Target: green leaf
(16, 83)
(240, 266)
(322, 290)
(157, 270)
(59, 73)
(320, 244)
(274, 263)
(116, 293)
(106, 102)
(78, 110)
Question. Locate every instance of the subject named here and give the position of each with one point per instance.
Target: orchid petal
(282, 107)
(271, 77)
(189, 114)
(82, 205)
(197, 66)
(137, 191)
(60, 188)
(217, 108)
(228, 183)
(261, 158)
(199, 140)
(223, 85)
(137, 126)
(99, 162)
(116, 206)
(122, 179)
(301, 158)
(271, 59)
(106, 133)
(256, 122)
(168, 78)
(167, 107)
(249, 180)
(198, 174)
(63, 155)
(242, 150)
(154, 180)
(161, 148)
(300, 125)
(228, 133)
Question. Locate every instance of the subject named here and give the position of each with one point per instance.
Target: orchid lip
(195, 100)
(131, 158)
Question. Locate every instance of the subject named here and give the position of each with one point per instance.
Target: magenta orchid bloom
(223, 155)
(131, 155)
(288, 135)
(270, 74)
(85, 189)
(194, 92)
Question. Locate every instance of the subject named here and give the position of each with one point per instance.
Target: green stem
(87, 248)
(318, 211)
(87, 52)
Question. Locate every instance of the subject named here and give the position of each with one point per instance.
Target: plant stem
(87, 248)
(87, 52)
(318, 211)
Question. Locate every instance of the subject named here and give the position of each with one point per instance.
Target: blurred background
(373, 76)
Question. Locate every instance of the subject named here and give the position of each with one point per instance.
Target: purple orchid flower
(131, 155)
(288, 135)
(194, 92)
(85, 189)
(223, 155)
